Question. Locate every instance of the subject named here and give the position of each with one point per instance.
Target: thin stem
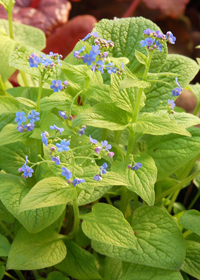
(196, 110)
(130, 142)
(6, 230)
(186, 233)
(10, 22)
(194, 200)
(172, 201)
(21, 276)
(24, 79)
(118, 134)
(10, 276)
(70, 110)
(76, 219)
(39, 93)
(108, 199)
(37, 276)
(136, 201)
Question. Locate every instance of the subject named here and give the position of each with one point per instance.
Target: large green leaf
(106, 115)
(12, 190)
(36, 251)
(183, 66)
(110, 229)
(2, 271)
(4, 246)
(191, 263)
(78, 263)
(8, 104)
(48, 192)
(184, 119)
(126, 33)
(142, 180)
(25, 34)
(160, 241)
(112, 269)
(10, 134)
(55, 275)
(191, 221)
(171, 152)
(133, 271)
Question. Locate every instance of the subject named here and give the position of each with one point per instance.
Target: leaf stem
(194, 200)
(39, 93)
(130, 142)
(70, 109)
(21, 276)
(10, 276)
(10, 22)
(108, 199)
(24, 78)
(6, 230)
(173, 200)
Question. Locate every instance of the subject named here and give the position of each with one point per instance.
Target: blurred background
(65, 22)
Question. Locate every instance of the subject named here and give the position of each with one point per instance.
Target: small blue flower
(82, 130)
(29, 126)
(171, 38)
(45, 61)
(148, 31)
(44, 137)
(103, 168)
(110, 68)
(89, 58)
(34, 60)
(57, 85)
(105, 145)
(159, 35)
(59, 60)
(147, 42)
(26, 160)
(86, 37)
(20, 118)
(27, 171)
(171, 103)
(92, 141)
(62, 114)
(95, 50)
(52, 127)
(159, 46)
(177, 91)
(51, 54)
(136, 166)
(33, 116)
(77, 181)
(63, 146)
(97, 150)
(95, 34)
(56, 160)
(66, 173)
(20, 128)
(97, 177)
(101, 63)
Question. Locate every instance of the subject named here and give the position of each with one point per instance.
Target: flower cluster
(58, 85)
(48, 61)
(103, 170)
(68, 175)
(21, 118)
(135, 166)
(58, 129)
(26, 169)
(96, 58)
(154, 39)
(104, 145)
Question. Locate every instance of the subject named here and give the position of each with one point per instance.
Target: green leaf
(10, 134)
(171, 152)
(160, 241)
(5, 214)
(142, 180)
(36, 251)
(127, 33)
(148, 123)
(55, 275)
(4, 246)
(129, 82)
(25, 34)
(196, 91)
(48, 192)
(112, 269)
(141, 57)
(184, 66)
(191, 263)
(184, 119)
(133, 271)
(105, 115)
(8, 104)
(57, 100)
(12, 190)
(79, 263)
(191, 221)
(2, 271)
(111, 230)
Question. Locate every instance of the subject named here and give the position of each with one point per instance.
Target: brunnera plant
(93, 156)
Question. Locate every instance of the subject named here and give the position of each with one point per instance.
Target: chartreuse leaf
(127, 33)
(2, 271)
(112, 269)
(4, 246)
(25, 34)
(55, 275)
(12, 190)
(129, 82)
(160, 241)
(106, 115)
(142, 180)
(191, 263)
(191, 221)
(36, 251)
(78, 263)
(48, 192)
(185, 67)
(148, 123)
(185, 120)
(58, 100)
(10, 134)
(171, 152)
(111, 230)
(8, 104)
(141, 57)
(132, 271)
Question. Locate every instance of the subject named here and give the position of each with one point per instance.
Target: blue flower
(63, 146)
(159, 46)
(95, 50)
(20, 128)
(20, 118)
(171, 38)
(51, 54)
(59, 60)
(148, 31)
(92, 141)
(66, 173)
(103, 168)
(56, 160)
(45, 61)
(33, 116)
(44, 137)
(77, 181)
(136, 166)
(86, 37)
(159, 35)
(177, 91)
(97, 177)
(97, 150)
(105, 145)
(27, 171)
(62, 114)
(101, 63)
(29, 126)
(147, 42)
(57, 85)
(110, 68)
(34, 60)
(52, 127)
(82, 130)
(89, 58)
(171, 103)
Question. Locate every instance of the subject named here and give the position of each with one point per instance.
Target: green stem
(108, 199)
(194, 200)
(186, 233)
(177, 187)
(104, 132)
(172, 201)
(130, 142)
(21, 276)
(117, 137)
(10, 276)
(76, 219)
(10, 22)
(136, 201)
(39, 93)
(24, 79)
(196, 110)
(6, 230)
(37, 276)
(70, 110)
